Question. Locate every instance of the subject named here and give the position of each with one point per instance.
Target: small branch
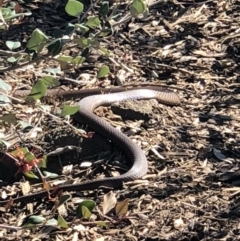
(90, 8)
(18, 66)
(10, 227)
(60, 120)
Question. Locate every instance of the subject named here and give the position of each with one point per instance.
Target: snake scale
(95, 98)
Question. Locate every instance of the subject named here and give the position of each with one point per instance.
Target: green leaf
(49, 80)
(46, 107)
(25, 125)
(12, 60)
(63, 199)
(6, 13)
(107, 31)
(69, 29)
(9, 118)
(138, 7)
(85, 53)
(18, 57)
(30, 174)
(65, 59)
(93, 22)
(38, 91)
(5, 86)
(29, 156)
(95, 42)
(13, 45)
(34, 219)
(43, 162)
(82, 27)
(85, 212)
(61, 222)
(104, 70)
(78, 60)
(4, 100)
(74, 8)
(69, 110)
(82, 42)
(55, 47)
(53, 71)
(50, 174)
(52, 222)
(58, 33)
(103, 11)
(89, 204)
(106, 52)
(4, 145)
(37, 41)
(20, 150)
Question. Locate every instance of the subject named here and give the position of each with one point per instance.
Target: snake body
(133, 151)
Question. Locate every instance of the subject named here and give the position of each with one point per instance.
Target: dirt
(191, 191)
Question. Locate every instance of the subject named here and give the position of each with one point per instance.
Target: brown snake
(85, 115)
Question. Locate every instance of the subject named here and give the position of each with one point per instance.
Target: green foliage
(37, 41)
(104, 9)
(4, 145)
(74, 8)
(30, 174)
(4, 89)
(104, 71)
(64, 199)
(49, 80)
(53, 71)
(61, 222)
(34, 220)
(69, 110)
(50, 175)
(52, 222)
(5, 86)
(55, 46)
(138, 7)
(85, 34)
(8, 13)
(26, 160)
(93, 22)
(38, 91)
(85, 208)
(13, 45)
(91, 29)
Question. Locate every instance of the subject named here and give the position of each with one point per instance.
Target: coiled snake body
(132, 150)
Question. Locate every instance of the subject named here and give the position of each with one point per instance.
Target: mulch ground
(191, 191)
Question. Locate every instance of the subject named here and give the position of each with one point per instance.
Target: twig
(25, 64)
(90, 8)
(60, 120)
(10, 227)
(11, 97)
(128, 16)
(193, 3)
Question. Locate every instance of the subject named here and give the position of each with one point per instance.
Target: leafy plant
(26, 161)
(86, 34)
(84, 211)
(91, 28)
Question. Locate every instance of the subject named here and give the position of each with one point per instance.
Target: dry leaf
(122, 208)
(109, 202)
